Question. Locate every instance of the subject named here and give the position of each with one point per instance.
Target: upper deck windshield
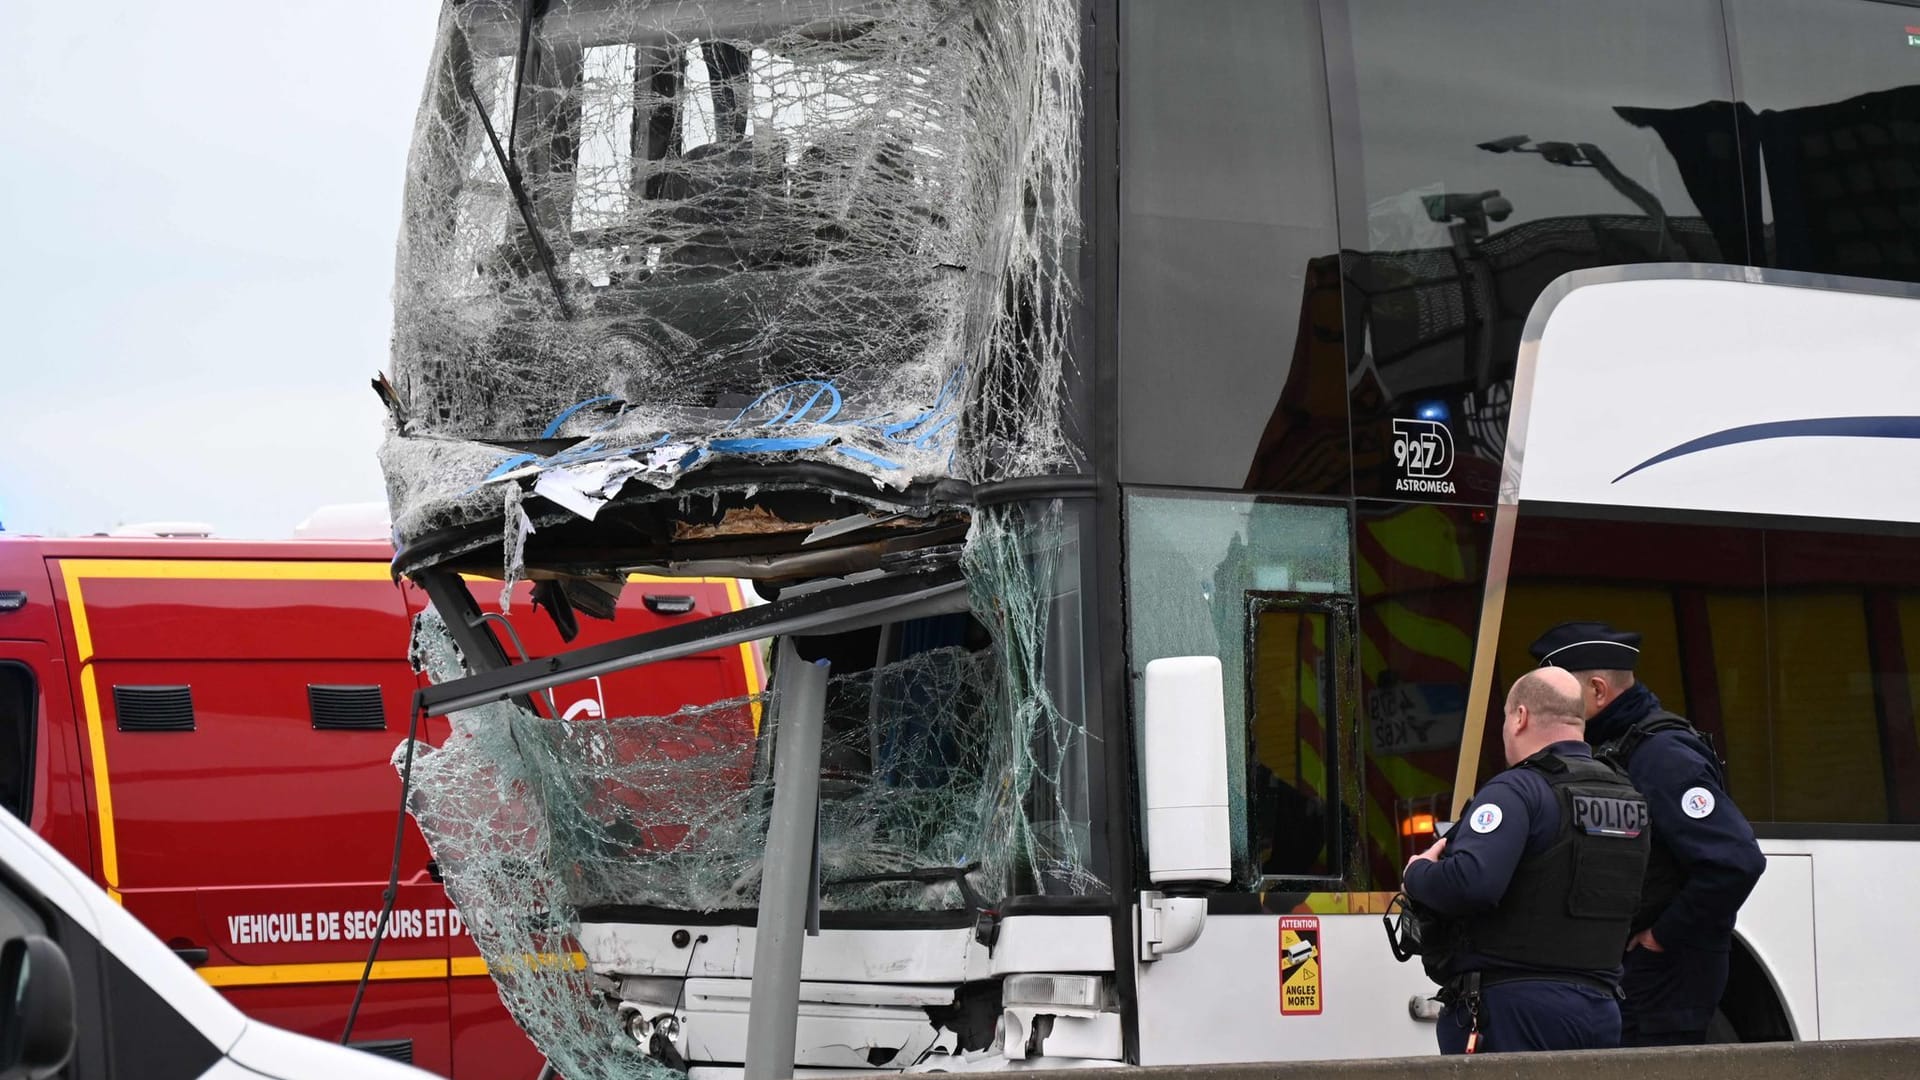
(641, 239)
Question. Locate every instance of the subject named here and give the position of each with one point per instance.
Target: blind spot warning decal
(1300, 963)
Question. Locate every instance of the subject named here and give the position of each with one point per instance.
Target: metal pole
(830, 611)
(800, 701)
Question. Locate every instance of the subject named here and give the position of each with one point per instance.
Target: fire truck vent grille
(153, 708)
(397, 1049)
(346, 708)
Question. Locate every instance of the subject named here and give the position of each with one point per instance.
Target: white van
(90, 991)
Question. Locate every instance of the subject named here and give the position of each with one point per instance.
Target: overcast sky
(198, 209)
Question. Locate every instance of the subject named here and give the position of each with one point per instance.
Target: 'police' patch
(1697, 803)
(1599, 815)
(1485, 819)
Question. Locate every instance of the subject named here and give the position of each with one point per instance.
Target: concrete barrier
(1862, 1059)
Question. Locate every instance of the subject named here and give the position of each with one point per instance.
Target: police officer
(1705, 860)
(1536, 887)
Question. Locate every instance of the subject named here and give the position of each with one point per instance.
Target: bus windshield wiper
(504, 155)
(928, 875)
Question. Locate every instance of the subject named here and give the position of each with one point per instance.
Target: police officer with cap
(1534, 890)
(1705, 860)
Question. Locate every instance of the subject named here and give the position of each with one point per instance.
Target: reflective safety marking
(1598, 815)
(1300, 962)
(344, 971)
(1486, 818)
(460, 967)
(469, 965)
(1697, 803)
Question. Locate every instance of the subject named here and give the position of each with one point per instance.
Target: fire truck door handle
(670, 605)
(194, 957)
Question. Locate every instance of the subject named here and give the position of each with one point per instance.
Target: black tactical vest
(1571, 907)
(1665, 875)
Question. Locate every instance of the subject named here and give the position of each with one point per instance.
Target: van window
(17, 721)
(138, 1032)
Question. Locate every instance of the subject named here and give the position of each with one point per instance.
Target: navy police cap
(1587, 646)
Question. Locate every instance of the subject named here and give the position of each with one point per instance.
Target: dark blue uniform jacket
(1693, 819)
(1485, 848)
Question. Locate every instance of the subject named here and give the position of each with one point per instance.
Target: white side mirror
(1184, 756)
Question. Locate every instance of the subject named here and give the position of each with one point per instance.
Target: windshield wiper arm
(504, 155)
(926, 875)
(518, 187)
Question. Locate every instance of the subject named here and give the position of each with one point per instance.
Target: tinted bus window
(1794, 650)
(1296, 687)
(1420, 572)
(1841, 620)
(1696, 593)
(1831, 95)
(1229, 293)
(1497, 145)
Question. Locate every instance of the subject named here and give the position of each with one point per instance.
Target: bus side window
(1295, 681)
(1422, 575)
(1843, 620)
(17, 718)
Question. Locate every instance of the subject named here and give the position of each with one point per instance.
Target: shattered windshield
(641, 238)
(954, 774)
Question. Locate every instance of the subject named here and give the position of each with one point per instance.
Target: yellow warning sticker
(1300, 962)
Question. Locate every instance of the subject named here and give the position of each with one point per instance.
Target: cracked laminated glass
(954, 773)
(645, 240)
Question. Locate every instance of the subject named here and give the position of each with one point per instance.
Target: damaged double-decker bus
(1120, 407)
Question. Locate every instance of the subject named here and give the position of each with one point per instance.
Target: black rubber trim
(1107, 698)
(1030, 488)
(1056, 905)
(1238, 903)
(646, 915)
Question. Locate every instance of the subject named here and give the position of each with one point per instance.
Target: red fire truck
(207, 726)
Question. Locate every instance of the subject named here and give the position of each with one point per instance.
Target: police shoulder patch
(1696, 803)
(1484, 819)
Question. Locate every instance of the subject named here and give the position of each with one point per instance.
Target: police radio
(1411, 929)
